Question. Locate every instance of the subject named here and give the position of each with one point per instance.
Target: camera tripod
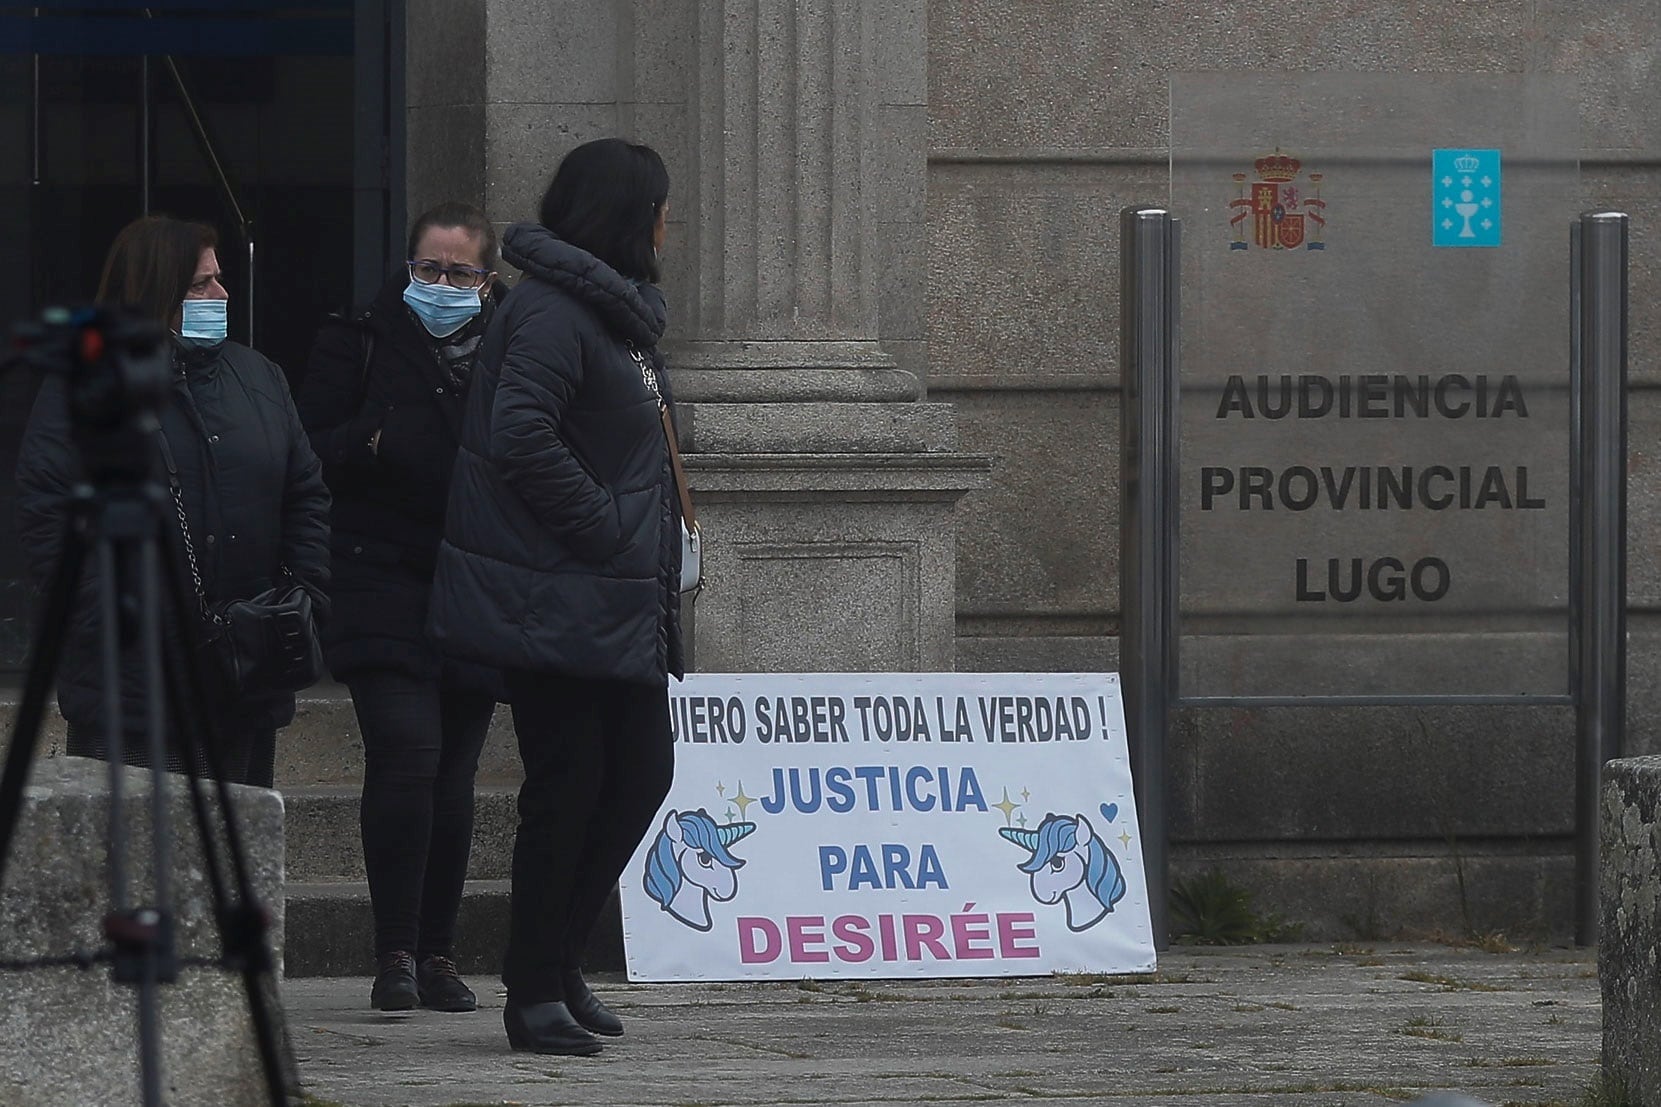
(119, 374)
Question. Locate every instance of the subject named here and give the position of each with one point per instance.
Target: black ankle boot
(547, 1028)
(587, 1009)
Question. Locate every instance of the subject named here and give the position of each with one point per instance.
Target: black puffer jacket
(560, 551)
(253, 492)
(389, 502)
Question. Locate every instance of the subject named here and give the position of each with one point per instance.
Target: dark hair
(605, 198)
(452, 213)
(152, 264)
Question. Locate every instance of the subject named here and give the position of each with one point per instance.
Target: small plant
(1211, 910)
(1423, 1027)
(1606, 1092)
(1448, 983)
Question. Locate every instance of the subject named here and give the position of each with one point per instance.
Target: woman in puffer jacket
(561, 565)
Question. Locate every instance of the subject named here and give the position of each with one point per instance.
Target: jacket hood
(630, 311)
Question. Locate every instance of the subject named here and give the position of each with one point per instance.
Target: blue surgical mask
(442, 310)
(203, 322)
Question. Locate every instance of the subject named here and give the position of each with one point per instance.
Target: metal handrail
(244, 225)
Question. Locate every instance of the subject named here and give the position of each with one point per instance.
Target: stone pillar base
(70, 1037)
(1629, 936)
(829, 539)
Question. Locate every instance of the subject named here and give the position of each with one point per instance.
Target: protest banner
(891, 825)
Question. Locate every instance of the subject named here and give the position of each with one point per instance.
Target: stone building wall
(1047, 117)
(996, 142)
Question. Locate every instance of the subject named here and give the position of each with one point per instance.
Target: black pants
(599, 757)
(248, 755)
(421, 743)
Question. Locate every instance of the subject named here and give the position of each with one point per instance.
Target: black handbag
(266, 644)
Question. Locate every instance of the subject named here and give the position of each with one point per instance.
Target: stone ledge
(1629, 933)
(810, 477)
(70, 1037)
(817, 428)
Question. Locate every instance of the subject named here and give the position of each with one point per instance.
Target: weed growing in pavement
(1421, 1026)
(1211, 910)
(1606, 1093)
(1449, 983)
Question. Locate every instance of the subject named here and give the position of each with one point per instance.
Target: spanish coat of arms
(1283, 215)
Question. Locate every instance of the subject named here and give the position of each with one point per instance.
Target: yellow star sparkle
(1025, 795)
(1124, 839)
(720, 789)
(742, 800)
(1006, 806)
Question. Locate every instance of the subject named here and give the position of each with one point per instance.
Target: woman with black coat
(383, 401)
(561, 566)
(250, 488)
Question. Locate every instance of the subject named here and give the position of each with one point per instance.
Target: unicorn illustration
(689, 865)
(1070, 863)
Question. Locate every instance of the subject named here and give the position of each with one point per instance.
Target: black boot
(395, 988)
(586, 1007)
(441, 986)
(547, 1028)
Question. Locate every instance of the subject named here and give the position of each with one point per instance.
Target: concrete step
(329, 930)
(325, 842)
(321, 747)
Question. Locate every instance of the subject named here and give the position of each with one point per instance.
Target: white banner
(891, 825)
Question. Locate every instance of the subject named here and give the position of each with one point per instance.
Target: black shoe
(441, 987)
(587, 1009)
(395, 988)
(547, 1028)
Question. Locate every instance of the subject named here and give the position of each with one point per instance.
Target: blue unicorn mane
(702, 832)
(699, 831)
(663, 876)
(1058, 834)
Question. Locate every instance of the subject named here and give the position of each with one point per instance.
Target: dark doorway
(271, 121)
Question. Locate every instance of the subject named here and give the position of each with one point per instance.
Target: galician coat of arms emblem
(1282, 215)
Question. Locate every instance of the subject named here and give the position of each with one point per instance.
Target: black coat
(560, 551)
(388, 503)
(253, 494)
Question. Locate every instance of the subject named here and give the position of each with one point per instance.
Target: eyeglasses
(461, 276)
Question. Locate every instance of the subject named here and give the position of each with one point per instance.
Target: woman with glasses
(382, 399)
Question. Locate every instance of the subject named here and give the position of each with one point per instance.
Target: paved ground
(1289, 1026)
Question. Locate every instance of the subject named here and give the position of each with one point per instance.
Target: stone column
(785, 186)
(794, 132)
(827, 485)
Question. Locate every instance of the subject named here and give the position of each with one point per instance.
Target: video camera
(117, 368)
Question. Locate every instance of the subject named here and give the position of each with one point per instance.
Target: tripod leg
(244, 925)
(156, 960)
(37, 688)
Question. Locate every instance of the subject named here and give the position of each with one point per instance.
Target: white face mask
(442, 310)
(203, 322)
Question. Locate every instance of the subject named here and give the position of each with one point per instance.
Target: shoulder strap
(648, 376)
(167, 459)
(367, 333)
(688, 518)
(173, 487)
